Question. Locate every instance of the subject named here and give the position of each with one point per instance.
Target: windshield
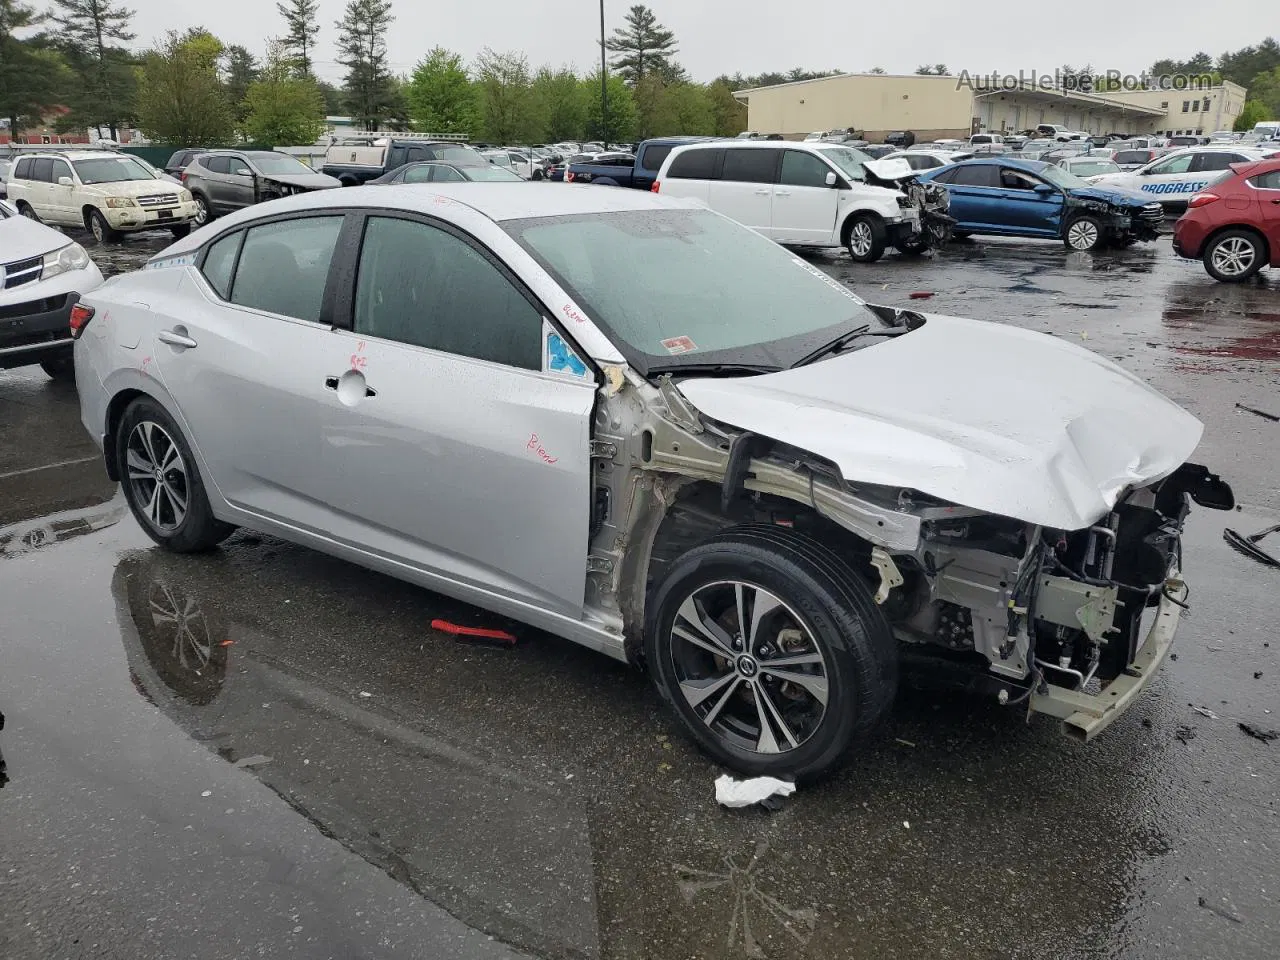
(848, 159)
(1060, 178)
(1093, 168)
(278, 163)
(689, 287)
(111, 170)
(490, 172)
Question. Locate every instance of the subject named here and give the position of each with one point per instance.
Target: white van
(799, 194)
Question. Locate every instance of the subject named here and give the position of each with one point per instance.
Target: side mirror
(1045, 188)
(831, 179)
(66, 182)
(242, 172)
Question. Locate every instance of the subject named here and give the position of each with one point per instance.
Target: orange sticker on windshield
(679, 345)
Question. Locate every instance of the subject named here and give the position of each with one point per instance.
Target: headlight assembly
(116, 202)
(64, 259)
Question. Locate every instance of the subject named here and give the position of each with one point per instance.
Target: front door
(442, 439)
(804, 204)
(240, 184)
(62, 201)
(1028, 207)
(744, 191)
(1169, 181)
(245, 360)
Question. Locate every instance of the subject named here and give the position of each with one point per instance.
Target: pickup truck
(622, 170)
(357, 163)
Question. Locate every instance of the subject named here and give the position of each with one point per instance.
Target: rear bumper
(1086, 715)
(1188, 238)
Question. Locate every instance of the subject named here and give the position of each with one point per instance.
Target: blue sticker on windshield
(561, 358)
(186, 260)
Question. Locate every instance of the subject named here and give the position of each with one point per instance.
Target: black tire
(196, 529)
(63, 369)
(960, 235)
(99, 227)
(1234, 256)
(28, 211)
(865, 238)
(1084, 232)
(204, 212)
(180, 230)
(829, 610)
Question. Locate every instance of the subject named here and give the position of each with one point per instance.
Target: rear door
(744, 189)
(39, 194)
(692, 171)
(246, 351)
(974, 189)
(445, 442)
(804, 204)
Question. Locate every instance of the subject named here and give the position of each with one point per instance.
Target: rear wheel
(866, 238)
(62, 369)
(1234, 256)
(27, 211)
(771, 651)
(161, 481)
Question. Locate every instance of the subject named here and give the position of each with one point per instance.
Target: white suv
(798, 194)
(103, 192)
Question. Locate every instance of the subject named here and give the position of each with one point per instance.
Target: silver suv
(222, 181)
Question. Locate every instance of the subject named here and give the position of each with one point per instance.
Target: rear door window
(750, 166)
(284, 266)
(23, 170)
(42, 169)
(217, 164)
(977, 175)
(1210, 162)
(695, 165)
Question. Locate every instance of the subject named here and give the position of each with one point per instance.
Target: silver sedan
(630, 422)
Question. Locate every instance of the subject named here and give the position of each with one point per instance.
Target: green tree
(1197, 65)
(506, 96)
(729, 116)
(623, 119)
(300, 16)
(1265, 89)
(333, 101)
(1244, 64)
(641, 46)
(1251, 114)
(181, 99)
(441, 96)
(240, 72)
(283, 108)
(93, 34)
(931, 70)
(362, 49)
(30, 75)
(560, 104)
(878, 71)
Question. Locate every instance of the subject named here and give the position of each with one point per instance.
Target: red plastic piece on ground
(920, 295)
(482, 633)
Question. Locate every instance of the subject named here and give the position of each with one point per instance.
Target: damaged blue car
(1028, 198)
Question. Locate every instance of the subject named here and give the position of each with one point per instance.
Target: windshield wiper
(840, 343)
(705, 369)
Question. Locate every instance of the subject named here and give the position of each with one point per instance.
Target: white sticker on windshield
(831, 282)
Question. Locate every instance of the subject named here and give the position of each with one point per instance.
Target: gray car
(222, 181)
(629, 421)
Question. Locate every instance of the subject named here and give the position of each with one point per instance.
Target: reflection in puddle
(28, 535)
(737, 884)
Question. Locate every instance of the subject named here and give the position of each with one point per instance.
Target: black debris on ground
(1266, 736)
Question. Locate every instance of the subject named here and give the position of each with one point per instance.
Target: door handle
(176, 339)
(331, 383)
(763, 193)
(782, 193)
(1275, 201)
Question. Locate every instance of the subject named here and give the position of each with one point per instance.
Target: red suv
(1234, 225)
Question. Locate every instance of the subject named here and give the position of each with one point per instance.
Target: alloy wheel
(202, 212)
(860, 239)
(749, 667)
(1082, 235)
(1233, 256)
(157, 476)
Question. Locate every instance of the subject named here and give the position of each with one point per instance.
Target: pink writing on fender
(538, 449)
(572, 314)
(358, 362)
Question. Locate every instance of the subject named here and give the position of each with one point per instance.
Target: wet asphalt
(267, 752)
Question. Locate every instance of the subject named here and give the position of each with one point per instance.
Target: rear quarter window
(23, 170)
(698, 164)
(220, 261)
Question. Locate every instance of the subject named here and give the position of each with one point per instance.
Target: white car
(799, 194)
(42, 273)
(1176, 177)
(105, 193)
(928, 159)
(1089, 167)
(628, 421)
(517, 163)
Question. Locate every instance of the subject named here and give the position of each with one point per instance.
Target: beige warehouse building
(935, 107)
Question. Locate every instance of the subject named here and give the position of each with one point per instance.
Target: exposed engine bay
(931, 199)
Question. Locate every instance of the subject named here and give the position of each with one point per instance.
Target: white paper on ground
(743, 793)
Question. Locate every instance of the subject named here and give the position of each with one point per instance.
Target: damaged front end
(1074, 622)
(1124, 220)
(931, 200)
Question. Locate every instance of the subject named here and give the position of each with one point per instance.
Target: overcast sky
(751, 36)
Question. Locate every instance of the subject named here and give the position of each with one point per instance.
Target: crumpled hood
(992, 417)
(1120, 196)
(304, 181)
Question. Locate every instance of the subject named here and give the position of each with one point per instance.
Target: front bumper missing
(1086, 715)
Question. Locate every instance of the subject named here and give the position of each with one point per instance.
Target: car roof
(72, 154)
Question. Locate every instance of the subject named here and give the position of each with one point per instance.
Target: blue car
(1027, 198)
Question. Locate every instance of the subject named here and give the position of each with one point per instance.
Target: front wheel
(203, 213)
(180, 230)
(771, 651)
(1085, 232)
(1234, 256)
(162, 483)
(866, 240)
(101, 230)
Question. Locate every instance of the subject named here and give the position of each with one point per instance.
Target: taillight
(1202, 199)
(568, 176)
(183, 176)
(80, 317)
(656, 188)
